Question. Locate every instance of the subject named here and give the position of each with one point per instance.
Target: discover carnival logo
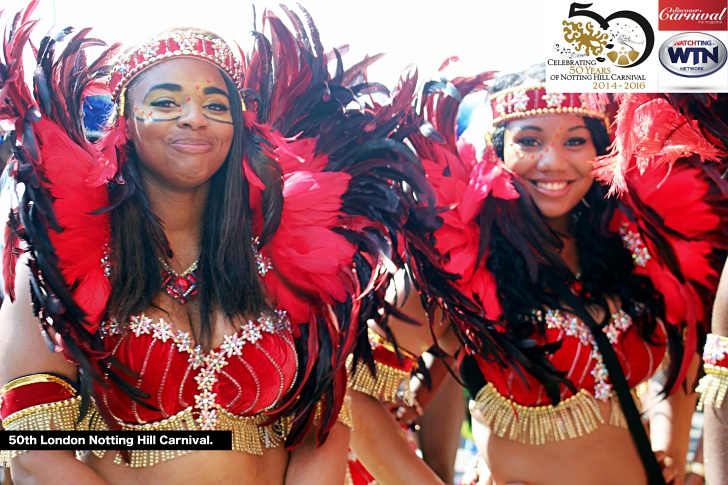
(696, 14)
(687, 15)
(692, 54)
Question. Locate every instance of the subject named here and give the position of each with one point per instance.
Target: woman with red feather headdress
(210, 263)
(563, 297)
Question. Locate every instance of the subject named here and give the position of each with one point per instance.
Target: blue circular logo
(692, 54)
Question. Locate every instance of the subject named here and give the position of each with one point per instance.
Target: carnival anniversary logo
(693, 15)
(623, 39)
(602, 48)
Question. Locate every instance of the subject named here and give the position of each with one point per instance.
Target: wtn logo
(700, 55)
(692, 54)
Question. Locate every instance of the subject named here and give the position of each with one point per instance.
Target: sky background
(484, 34)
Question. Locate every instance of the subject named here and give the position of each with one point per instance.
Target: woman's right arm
(24, 352)
(715, 427)
(381, 446)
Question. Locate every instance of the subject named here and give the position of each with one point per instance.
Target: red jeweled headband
(523, 101)
(183, 43)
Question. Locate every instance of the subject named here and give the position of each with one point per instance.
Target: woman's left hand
(404, 414)
(669, 470)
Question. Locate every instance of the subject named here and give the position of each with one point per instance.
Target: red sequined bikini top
(579, 357)
(246, 375)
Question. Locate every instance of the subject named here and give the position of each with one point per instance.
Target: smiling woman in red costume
(566, 299)
(203, 266)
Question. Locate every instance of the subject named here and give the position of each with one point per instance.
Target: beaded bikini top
(580, 359)
(515, 405)
(245, 376)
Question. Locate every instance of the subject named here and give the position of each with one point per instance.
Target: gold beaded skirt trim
(59, 415)
(573, 417)
(713, 387)
(249, 435)
(344, 416)
(390, 384)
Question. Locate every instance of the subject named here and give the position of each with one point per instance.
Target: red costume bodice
(579, 358)
(246, 375)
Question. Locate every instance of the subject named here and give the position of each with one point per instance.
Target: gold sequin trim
(390, 384)
(59, 415)
(573, 417)
(713, 387)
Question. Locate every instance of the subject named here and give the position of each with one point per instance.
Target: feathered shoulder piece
(461, 182)
(475, 197)
(352, 192)
(665, 165)
(653, 130)
(54, 207)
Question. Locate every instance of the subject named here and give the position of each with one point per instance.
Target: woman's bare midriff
(208, 467)
(607, 456)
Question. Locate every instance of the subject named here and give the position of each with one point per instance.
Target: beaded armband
(391, 383)
(714, 384)
(37, 402)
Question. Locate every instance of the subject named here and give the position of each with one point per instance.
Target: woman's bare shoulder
(23, 348)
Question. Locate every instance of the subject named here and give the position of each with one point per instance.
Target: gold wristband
(712, 387)
(695, 468)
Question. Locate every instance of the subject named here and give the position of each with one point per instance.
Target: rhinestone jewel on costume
(182, 287)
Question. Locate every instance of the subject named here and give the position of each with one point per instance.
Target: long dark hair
(607, 267)
(227, 274)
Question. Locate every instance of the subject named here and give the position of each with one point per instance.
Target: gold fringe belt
(248, 433)
(389, 385)
(573, 417)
